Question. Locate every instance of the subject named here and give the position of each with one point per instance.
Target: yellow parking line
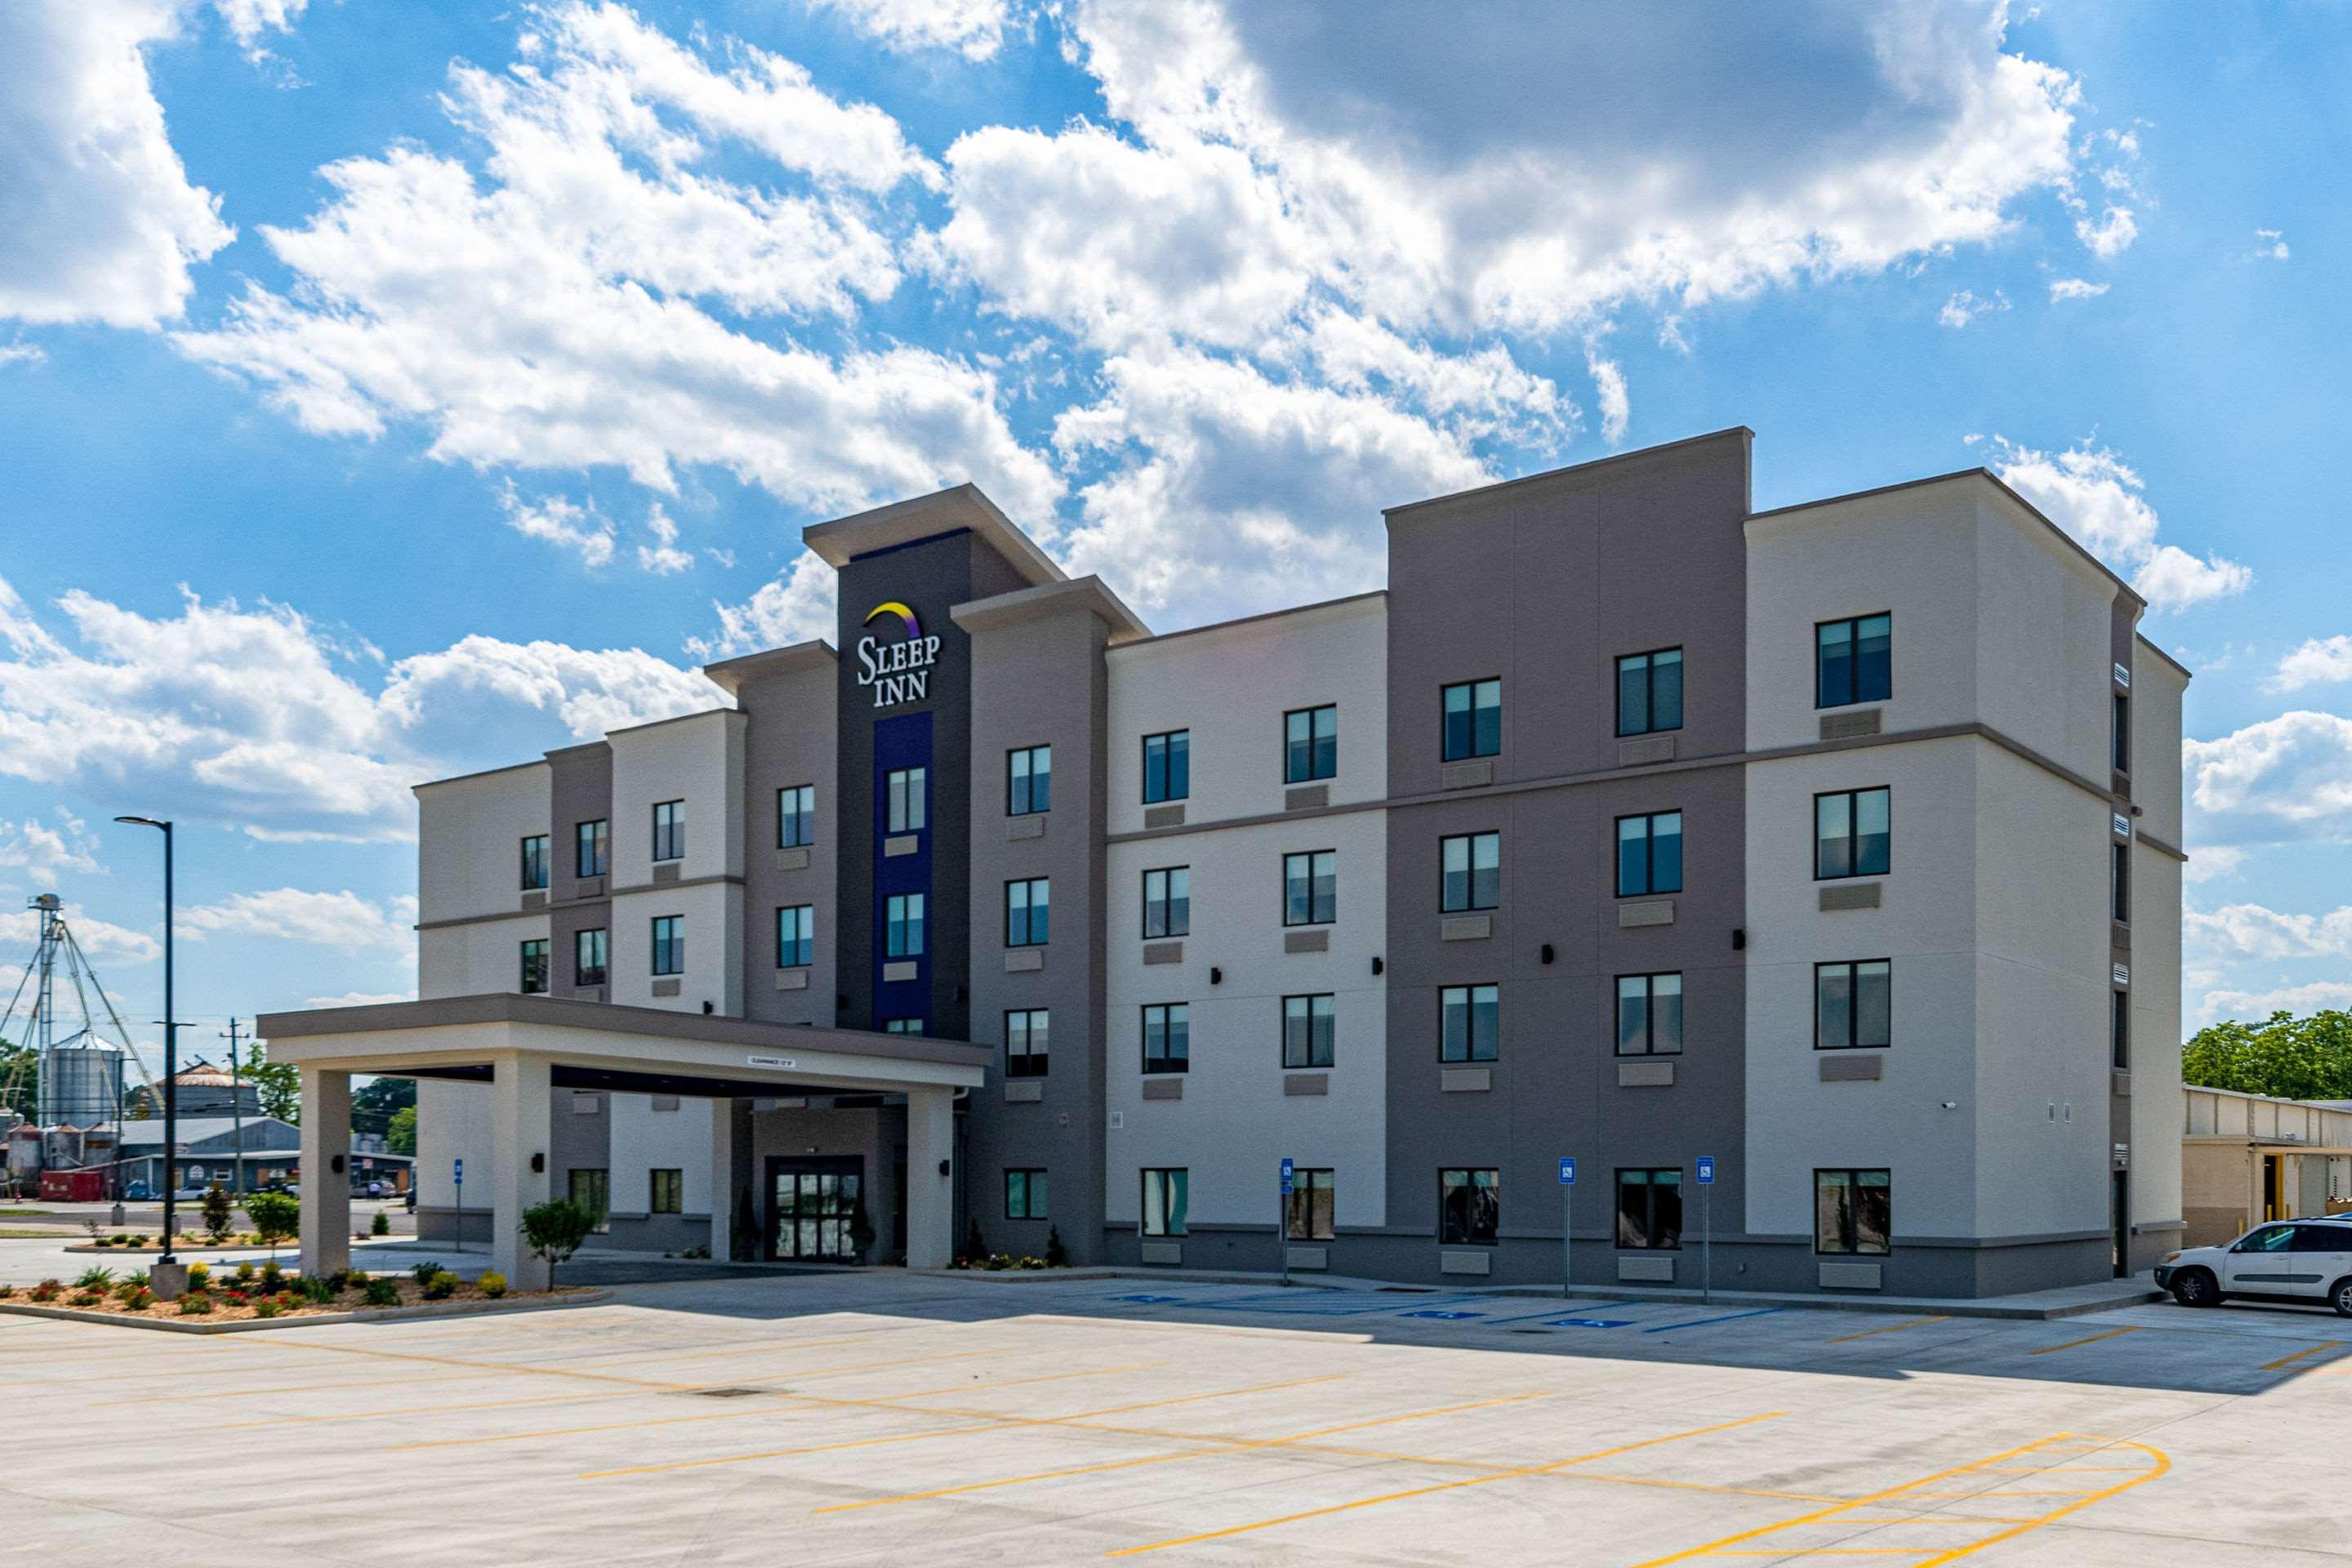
(2286, 1361)
(1439, 1487)
(2086, 1340)
(1910, 1324)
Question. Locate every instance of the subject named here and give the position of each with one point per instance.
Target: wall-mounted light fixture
(1378, 966)
(1738, 939)
(538, 1163)
(1216, 975)
(1546, 952)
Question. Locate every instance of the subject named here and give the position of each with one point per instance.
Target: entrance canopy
(526, 1046)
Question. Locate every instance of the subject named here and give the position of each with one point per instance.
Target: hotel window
(903, 792)
(796, 936)
(669, 830)
(1650, 854)
(902, 926)
(1650, 1210)
(1167, 766)
(1649, 1015)
(1164, 1200)
(591, 848)
(1854, 661)
(902, 1025)
(1026, 1036)
(1309, 1031)
(665, 1190)
(669, 945)
(1310, 1207)
(1852, 1212)
(1168, 902)
(591, 1187)
(1027, 912)
(1851, 834)
(588, 957)
(1650, 692)
(2119, 740)
(1310, 888)
(1168, 1038)
(1310, 745)
(796, 816)
(2119, 1030)
(1469, 1022)
(1472, 874)
(534, 967)
(534, 863)
(1853, 1005)
(2120, 881)
(1469, 1206)
(1473, 720)
(1024, 1194)
(1028, 781)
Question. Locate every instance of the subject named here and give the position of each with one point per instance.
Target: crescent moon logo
(893, 607)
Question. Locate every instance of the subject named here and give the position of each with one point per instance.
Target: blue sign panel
(1285, 1174)
(1568, 1173)
(458, 1171)
(1707, 1170)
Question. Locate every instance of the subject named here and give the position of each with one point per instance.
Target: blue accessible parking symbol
(1707, 1170)
(1566, 1172)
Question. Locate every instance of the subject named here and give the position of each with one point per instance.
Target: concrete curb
(361, 1315)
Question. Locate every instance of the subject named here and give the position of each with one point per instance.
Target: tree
(217, 1214)
(20, 1079)
(375, 1102)
(2283, 1056)
(556, 1229)
(279, 1084)
(276, 1217)
(400, 1132)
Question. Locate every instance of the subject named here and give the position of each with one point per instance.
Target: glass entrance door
(812, 1209)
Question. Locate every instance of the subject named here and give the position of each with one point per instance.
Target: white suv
(2307, 1261)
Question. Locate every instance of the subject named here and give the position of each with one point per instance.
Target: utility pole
(236, 1115)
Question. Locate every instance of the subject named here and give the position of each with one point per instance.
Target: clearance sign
(896, 670)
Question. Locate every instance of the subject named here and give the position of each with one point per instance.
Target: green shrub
(139, 1238)
(139, 1300)
(103, 1244)
(95, 1277)
(353, 1279)
(244, 1272)
(199, 1276)
(264, 1308)
(88, 1298)
(381, 1224)
(6, 1290)
(556, 1229)
(440, 1287)
(271, 1274)
(422, 1272)
(1057, 1255)
(276, 1217)
(218, 1212)
(320, 1292)
(382, 1293)
(492, 1284)
(195, 1303)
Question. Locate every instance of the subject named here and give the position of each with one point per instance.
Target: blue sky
(390, 390)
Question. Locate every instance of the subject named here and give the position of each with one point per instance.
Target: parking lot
(881, 1418)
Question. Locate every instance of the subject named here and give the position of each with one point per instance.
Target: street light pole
(171, 1048)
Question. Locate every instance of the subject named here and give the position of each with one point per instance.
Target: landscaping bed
(250, 1295)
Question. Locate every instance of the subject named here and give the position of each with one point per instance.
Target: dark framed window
(1650, 692)
(534, 863)
(1168, 1038)
(1469, 1023)
(534, 967)
(796, 936)
(664, 1191)
(669, 945)
(588, 954)
(1650, 1210)
(591, 1187)
(1310, 745)
(1854, 661)
(2119, 882)
(1028, 781)
(1852, 833)
(902, 1025)
(1310, 888)
(2119, 745)
(1028, 1035)
(1028, 911)
(1852, 1212)
(1853, 1006)
(669, 830)
(2119, 1031)
(1469, 1206)
(1311, 1208)
(1167, 766)
(591, 848)
(1165, 1201)
(1168, 902)
(902, 925)
(906, 797)
(1473, 719)
(1024, 1193)
(796, 816)
(1470, 872)
(1309, 1031)
(1650, 854)
(1649, 1015)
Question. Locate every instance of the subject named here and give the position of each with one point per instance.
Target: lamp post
(171, 1048)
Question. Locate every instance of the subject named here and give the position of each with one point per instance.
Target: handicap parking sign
(1568, 1173)
(1707, 1170)
(1285, 1174)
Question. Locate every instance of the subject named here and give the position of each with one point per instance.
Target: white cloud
(343, 920)
(101, 221)
(799, 605)
(973, 28)
(1608, 386)
(108, 946)
(2093, 494)
(2292, 773)
(663, 558)
(2211, 862)
(591, 690)
(47, 854)
(2318, 661)
(2253, 1006)
(359, 999)
(249, 19)
(22, 354)
(2254, 930)
(562, 522)
(2075, 289)
(1965, 307)
(600, 295)
(2110, 237)
(2270, 245)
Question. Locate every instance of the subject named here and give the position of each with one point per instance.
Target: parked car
(137, 1191)
(2303, 1261)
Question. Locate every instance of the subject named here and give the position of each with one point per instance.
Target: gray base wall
(658, 1232)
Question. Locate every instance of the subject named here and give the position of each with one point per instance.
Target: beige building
(2246, 1158)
